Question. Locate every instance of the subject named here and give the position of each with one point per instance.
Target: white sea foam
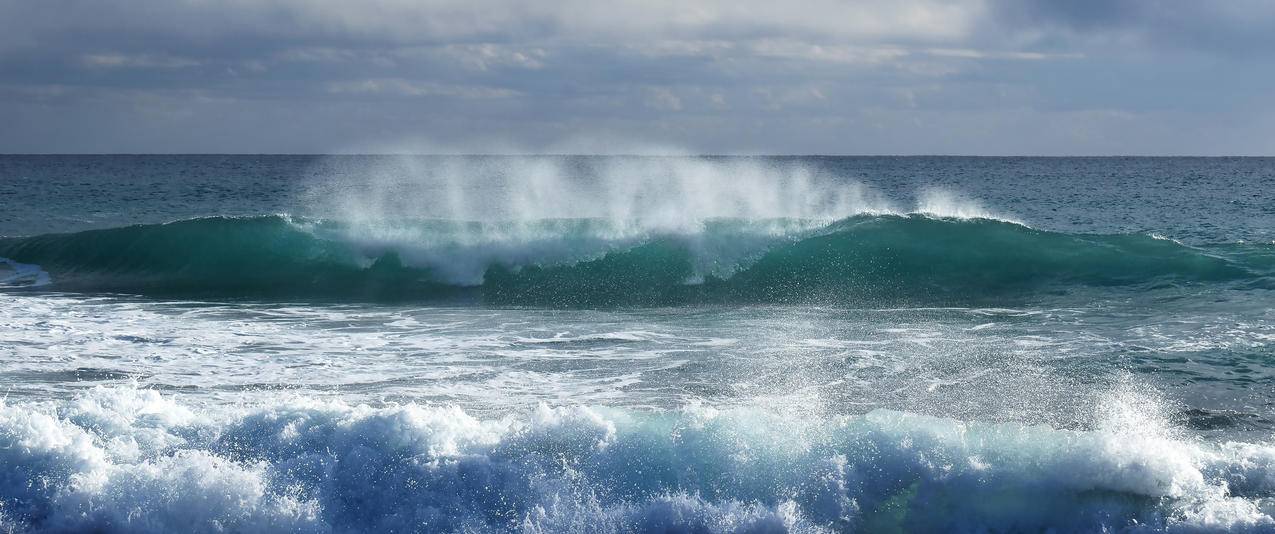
(15, 274)
(124, 459)
(941, 202)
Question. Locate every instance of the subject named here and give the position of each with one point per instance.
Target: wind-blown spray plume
(583, 231)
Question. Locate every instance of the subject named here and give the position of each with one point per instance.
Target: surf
(309, 465)
(912, 258)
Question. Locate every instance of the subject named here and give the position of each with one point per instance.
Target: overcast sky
(700, 76)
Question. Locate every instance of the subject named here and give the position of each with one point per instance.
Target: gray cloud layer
(823, 76)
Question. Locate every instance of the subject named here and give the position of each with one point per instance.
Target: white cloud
(145, 61)
(450, 21)
(967, 53)
(711, 74)
(486, 56)
(318, 54)
(781, 98)
(409, 88)
(662, 99)
(682, 48)
(792, 49)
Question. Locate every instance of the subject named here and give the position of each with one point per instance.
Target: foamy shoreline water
(123, 459)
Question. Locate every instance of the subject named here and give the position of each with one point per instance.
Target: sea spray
(21, 275)
(632, 195)
(123, 459)
(580, 262)
(748, 359)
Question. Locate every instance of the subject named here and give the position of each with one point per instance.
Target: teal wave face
(261, 257)
(924, 259)
(877, 259)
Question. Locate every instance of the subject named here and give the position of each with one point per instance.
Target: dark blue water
(879, 344)
(1197, 200)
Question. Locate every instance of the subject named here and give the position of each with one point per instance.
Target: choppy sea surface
(636, 344)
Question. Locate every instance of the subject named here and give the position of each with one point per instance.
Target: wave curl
(589, 262)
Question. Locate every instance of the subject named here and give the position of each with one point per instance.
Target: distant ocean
(636, 344)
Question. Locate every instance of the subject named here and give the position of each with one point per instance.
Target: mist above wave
(552, 210)
(573, 231)
(885, 259)
(635, 193)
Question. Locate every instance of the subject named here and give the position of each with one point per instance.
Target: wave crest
(569, 262)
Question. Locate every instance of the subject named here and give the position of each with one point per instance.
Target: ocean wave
(591, 262)
(14, 274)
(130, 460)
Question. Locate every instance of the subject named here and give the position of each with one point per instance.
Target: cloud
(411, 22)
(792, 49)
(1232, 27)
(662, 99)
(711, 75)
(137, 61)
(408, 88)
(966, 53)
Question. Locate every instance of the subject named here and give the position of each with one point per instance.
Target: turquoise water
(358, 343)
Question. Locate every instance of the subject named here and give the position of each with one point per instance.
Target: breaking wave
(597, 262)
(130, 460)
